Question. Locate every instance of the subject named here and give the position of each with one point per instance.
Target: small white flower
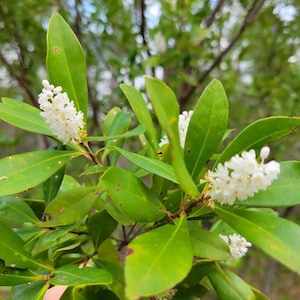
(183, 124)
(241, 177)
(237, 244)
(60, 113)
(264, 152)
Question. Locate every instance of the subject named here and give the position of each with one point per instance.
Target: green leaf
(94, 170)
(16, 210)
(258, 134)
(66, 62)
(68, 183)
(206, 128)
(158, 260)
(52, 185)
(117, 272)
(167, 111)
(141, 111)
(12, 276)
(35, 290)
(259, 295)
(24, 116)
(118, 214)
(152, 165)
(132, 196)
(54, 238)
(228, 285)
(278, 237)
(199, 270)
(72, 275)
(12, 251)
(71, 206)
(24, 171)
(209, 245)
(100, 226)
(196, 292)
(119, 125)
(283, 192)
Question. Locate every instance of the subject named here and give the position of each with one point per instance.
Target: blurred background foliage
(251, 46)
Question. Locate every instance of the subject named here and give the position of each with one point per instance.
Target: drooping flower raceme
(241, 177)
(60, 113)
(237, 244)
(183, 124)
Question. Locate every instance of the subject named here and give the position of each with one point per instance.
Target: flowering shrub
(136, 232)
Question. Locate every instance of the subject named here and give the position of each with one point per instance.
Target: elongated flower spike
(240, 177)
(60, 113)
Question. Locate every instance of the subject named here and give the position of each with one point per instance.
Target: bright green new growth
(130, 225)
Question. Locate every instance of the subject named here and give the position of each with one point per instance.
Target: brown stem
(91, 155)
(143, 31)
(170, 219)
(211, 18)
(77, 25)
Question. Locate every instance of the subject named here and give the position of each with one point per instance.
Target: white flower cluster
(237, 244)
(241, 177)
(60, 113)
(183, 124)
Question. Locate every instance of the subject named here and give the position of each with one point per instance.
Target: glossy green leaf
(118, 214)
(167, 111)
(259, 295)
(24, 171)
(141, 111)
(94, 170)
(108, 259)
(194, 293)
(284, 191)
(66, 62)
(52, 185)
(12, 251)
(24, 116)
(12, 276)
(72, 275)
(119, 125)
(16, 210)
(100, 226)
(152, 165)
(35, 290)
(229, 286)
(88, 293)
(68, 183)
(258, 134)
(209, 245)
(199, 270)
(206, 128)
(71, 206)
(158, 260)
(132, 196)
(278, 237)
(54, 238)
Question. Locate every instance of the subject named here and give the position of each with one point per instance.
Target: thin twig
(211, 18)
(253, 11)
(22, 81)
